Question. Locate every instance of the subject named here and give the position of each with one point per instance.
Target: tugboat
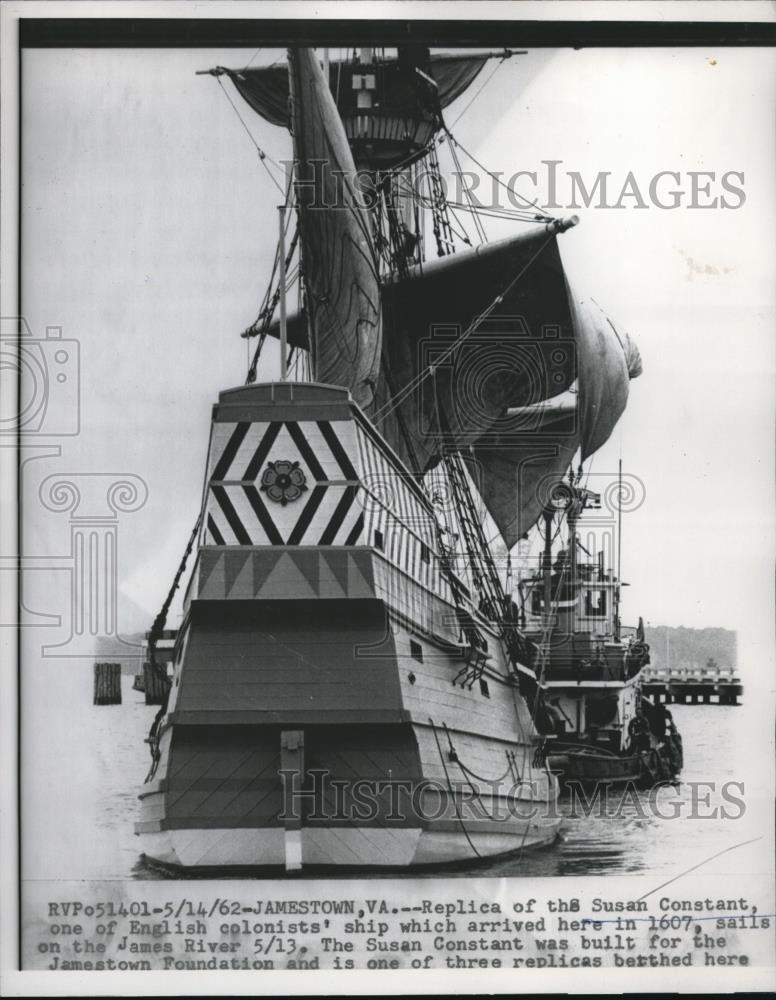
(351, 686)
(599, 728)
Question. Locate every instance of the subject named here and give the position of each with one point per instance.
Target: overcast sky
(148, 229)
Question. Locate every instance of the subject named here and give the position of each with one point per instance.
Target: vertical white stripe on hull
(292, 843)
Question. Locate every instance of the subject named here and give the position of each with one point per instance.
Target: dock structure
(149, 680)
(107, 683)
(709, 685)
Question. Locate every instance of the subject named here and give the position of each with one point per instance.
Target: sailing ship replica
(351, 684)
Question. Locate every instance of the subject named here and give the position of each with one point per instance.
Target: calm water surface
(83, 765)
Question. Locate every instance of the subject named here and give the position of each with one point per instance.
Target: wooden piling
(107, 683)
(154, 685)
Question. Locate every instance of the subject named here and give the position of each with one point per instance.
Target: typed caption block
(390, 925)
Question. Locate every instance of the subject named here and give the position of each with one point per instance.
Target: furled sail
(390, 107)
(341, 279)
(265, 88)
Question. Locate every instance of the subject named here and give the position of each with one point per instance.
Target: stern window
(595, 603)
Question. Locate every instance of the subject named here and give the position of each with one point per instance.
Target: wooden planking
(152, 808)
(503, 715)
(223, 776)
(371, 754)
(393, 507)
(432, 610)
(359, 846)
(451, 845)
(229, 776)
(254, 656)
(488, 759)
(393, 488)
(228, 847)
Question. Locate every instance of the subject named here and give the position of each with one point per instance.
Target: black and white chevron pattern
(328, 513)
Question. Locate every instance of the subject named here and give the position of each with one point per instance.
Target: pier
(149, 680)
(107, 684)
(710, 685)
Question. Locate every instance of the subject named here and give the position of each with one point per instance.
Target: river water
(82, 766)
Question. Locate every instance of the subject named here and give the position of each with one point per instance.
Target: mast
(573, 515)
(549, 516)
(617, 589)
(282, 280)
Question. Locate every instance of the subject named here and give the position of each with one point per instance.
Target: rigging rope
(450, 789)
(495, 177)
(478, 224)
(156, 630)
(495, 70)
(263, 157)
(252, 58)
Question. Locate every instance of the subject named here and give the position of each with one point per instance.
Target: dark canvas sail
(266, 88)
(523, 353)
(515, 477)
(449, 373)
(341, 283)
(516, 471)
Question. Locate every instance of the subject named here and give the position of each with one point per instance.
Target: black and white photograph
(388, 497)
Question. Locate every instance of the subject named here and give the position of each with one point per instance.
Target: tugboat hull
(575, 766)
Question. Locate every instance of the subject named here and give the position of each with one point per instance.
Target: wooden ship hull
(326, 708)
